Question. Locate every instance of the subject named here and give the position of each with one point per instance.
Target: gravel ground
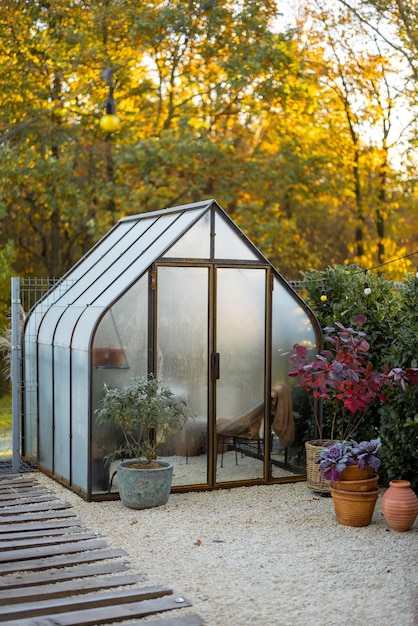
(267, 555)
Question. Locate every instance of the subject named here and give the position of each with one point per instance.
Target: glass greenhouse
(183, 295)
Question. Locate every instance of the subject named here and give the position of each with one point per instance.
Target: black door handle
(215, 366)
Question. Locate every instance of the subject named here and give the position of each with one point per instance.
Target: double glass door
(210, 347)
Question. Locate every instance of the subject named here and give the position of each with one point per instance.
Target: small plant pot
(365, 484)
(354, 508)
(353, 472)
(144, 488)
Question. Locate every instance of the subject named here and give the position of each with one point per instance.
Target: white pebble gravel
(268, 555)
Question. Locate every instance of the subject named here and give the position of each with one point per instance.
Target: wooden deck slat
(53, 571)
(80, 603)
(41, 525)
(6, 483)
(92, 617)
(187, 620)
(38, 517)
(63, 589)
(6, 496)
(30, 500)
(40, 541)
(38, 508)
(68, 573)
(46, 533)
(55, 561)
(47, 551)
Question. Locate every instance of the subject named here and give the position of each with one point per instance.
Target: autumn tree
(368, 88)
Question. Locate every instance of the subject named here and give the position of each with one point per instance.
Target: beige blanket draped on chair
(248, 425)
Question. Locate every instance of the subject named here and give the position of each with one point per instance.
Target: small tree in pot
(147, 413)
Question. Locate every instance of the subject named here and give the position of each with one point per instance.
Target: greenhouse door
(210, 347)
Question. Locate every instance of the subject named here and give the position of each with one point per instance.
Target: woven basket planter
(313, 476)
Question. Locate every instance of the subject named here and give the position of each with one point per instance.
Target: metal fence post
(15, 374)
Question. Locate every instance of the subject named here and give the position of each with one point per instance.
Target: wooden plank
(67, 573)
(16, 486)
(80, 603)
(187, 620)
(22, 510)
(41, 526)
(37, 517)
(37, 542)
(55, 561)
(25, 501)
(51, 550)
(16, 482)
(21, 494)
(63, 589)
(106, 615)
(43, 534)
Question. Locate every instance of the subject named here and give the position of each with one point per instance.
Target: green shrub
(392, 330)
(399, 415)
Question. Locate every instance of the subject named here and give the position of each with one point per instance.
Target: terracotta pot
(108, 357)
(365, 484)
(116, 357)
(399, 505)
(99, 356)
(354, 508)
(353, 472)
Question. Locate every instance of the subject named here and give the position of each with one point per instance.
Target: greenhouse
(182, 295)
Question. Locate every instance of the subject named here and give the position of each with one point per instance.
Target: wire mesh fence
(30, 291)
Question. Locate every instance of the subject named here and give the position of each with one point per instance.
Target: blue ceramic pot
(144, 488)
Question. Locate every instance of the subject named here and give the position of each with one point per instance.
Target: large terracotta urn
(399, 505)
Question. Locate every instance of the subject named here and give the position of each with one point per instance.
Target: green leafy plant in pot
(342, 377)
(147, 413)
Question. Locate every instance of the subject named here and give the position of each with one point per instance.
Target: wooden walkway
(54, 572)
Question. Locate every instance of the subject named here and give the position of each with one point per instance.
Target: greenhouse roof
(125, 253)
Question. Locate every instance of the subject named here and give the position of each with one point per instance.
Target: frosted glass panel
(66, 324)
(30, 400)
(80, 413)
(229, 244)
(45, 406)
(182, 348)
(119, 353)
(62, 412)
(290, 324)
(96, 277)
(195, 244)
(120, 236)
(49, 323)
(85, 324)
(240, 388)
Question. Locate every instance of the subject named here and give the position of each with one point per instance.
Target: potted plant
(351, 467)
(342, 377)
(147, 413)
(349, 460)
